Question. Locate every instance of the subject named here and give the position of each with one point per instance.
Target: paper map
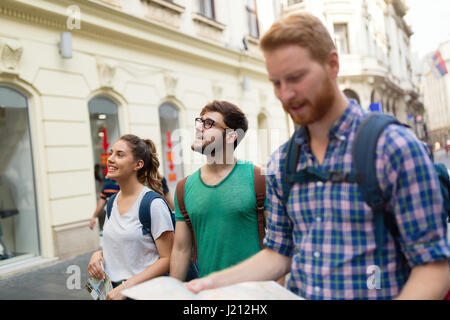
(99, 289)
(167, 288)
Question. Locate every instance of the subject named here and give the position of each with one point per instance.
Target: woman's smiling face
(121, 162)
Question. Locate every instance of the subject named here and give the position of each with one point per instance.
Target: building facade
(435, 89)
(76, 75)
(372, 39)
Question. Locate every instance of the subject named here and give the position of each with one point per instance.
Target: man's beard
(209, 147)
(315, 110)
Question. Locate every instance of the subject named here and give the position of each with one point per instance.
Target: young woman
(128, 256)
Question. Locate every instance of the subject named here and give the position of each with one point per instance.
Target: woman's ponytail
(145, 150)
(152, 176)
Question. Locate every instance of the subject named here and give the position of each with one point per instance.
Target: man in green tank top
(219, 197)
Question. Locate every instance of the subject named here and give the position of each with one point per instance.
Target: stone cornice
(16, 12)
(119, 26)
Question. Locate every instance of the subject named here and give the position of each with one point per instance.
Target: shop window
(252, 19)
(104, 121)
(18, 214)
(171, 144)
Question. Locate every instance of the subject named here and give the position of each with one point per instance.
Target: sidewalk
(49, 283)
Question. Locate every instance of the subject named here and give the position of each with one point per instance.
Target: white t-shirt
(126, 250)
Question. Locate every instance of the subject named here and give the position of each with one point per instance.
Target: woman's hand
(95, 265)
(115, 294)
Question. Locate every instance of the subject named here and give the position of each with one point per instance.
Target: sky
(430, 22)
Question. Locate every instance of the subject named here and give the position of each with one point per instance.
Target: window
(341, 38)
(352, 95)
(171, 146)
(104, 121)
(252, 19)
(18, 215)
(206, 8)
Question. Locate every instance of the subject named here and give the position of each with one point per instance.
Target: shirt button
(319, 184)
(316, 289)
(317, 254)
(318, 219)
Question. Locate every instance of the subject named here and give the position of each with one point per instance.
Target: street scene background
(76, 75)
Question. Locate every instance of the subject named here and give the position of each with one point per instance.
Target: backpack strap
(290, 164)
(145, 211)
(181, 205)
(364, 155)
(444, 182)
(260, 194)
(109, 205)
(290, 175)
(312, 174)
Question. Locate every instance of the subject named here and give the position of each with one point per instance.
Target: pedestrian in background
(324, 234)
(167, 195)
(129, 256)
(109, 188)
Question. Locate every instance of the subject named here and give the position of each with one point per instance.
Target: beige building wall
(123, 51)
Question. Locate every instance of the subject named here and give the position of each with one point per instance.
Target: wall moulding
(171, 83)
(10, 55)
(163, 12)
(17, 13)
(106, 72)
(217, 91)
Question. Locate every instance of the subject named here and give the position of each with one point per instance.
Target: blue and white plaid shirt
(329, 230)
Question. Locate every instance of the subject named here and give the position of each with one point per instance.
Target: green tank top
(224, 218)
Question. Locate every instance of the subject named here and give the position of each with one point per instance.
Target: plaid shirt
(329, 230)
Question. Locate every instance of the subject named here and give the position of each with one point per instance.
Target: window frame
(202, 9)
(345, 38)
(252, 17)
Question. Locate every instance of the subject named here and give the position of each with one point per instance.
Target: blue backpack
(363, 155)
(145, 219)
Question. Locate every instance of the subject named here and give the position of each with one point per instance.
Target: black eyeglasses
(207, 123)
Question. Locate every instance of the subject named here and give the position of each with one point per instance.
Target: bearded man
(219, 197)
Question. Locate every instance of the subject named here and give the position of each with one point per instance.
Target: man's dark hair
(233, 117)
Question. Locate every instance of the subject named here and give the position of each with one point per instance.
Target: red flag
(439, 64)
